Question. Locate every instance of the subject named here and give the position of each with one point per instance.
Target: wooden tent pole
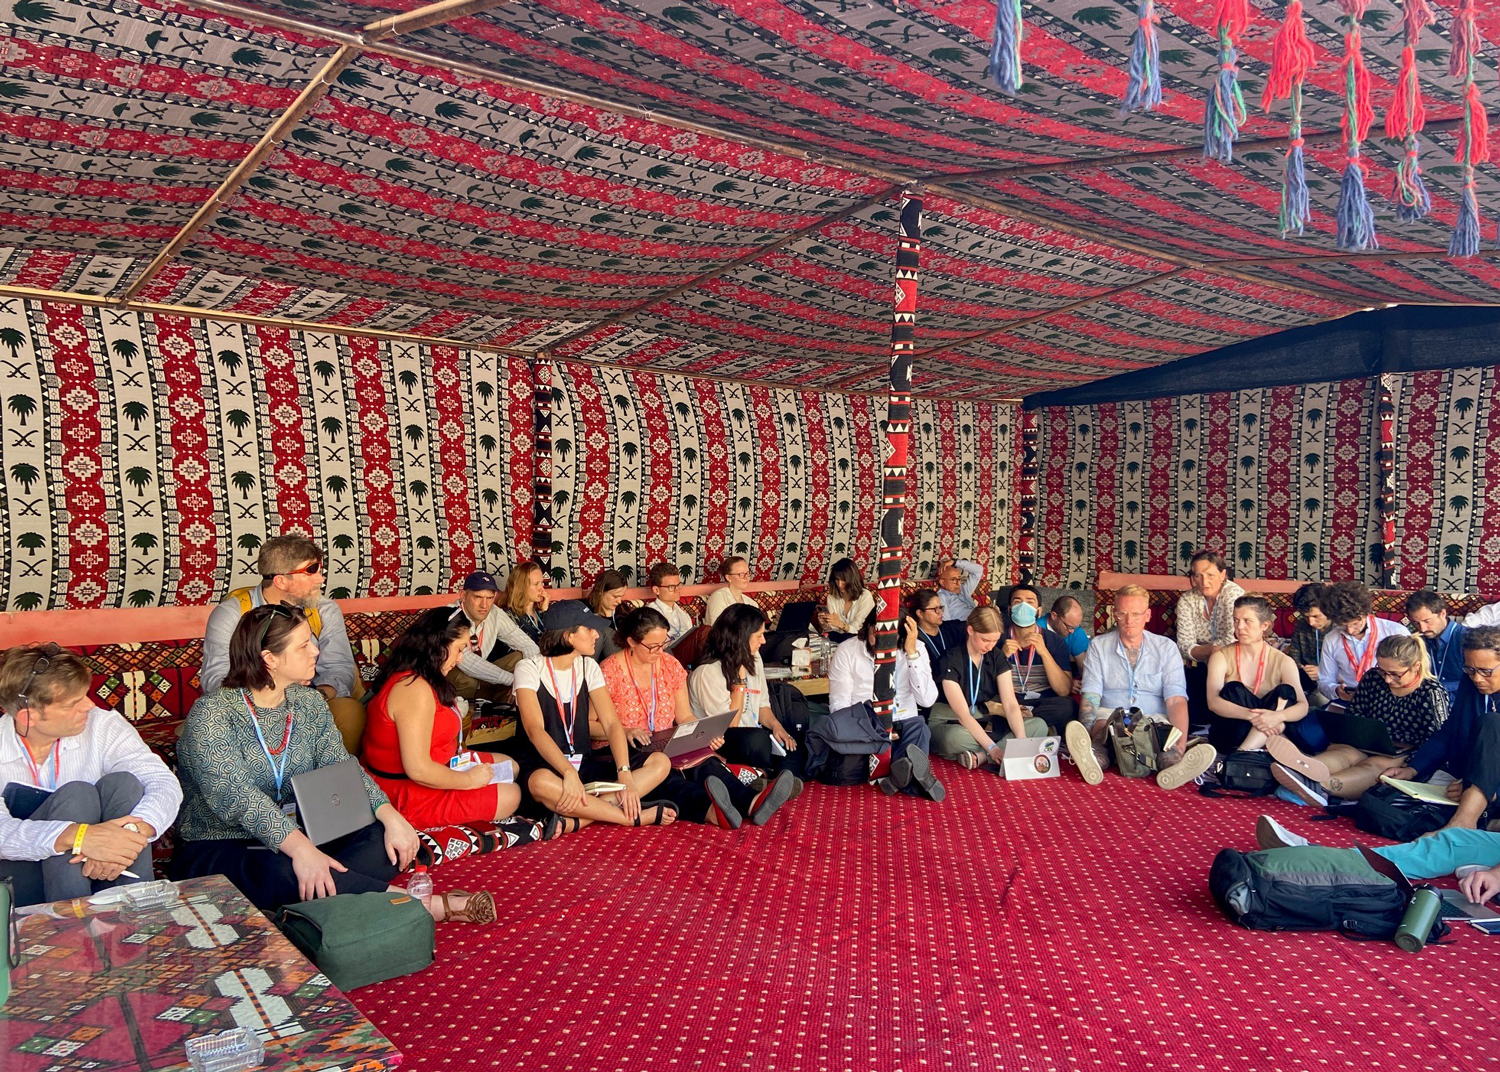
(898, 442)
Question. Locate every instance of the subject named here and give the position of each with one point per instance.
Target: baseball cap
(481, 582)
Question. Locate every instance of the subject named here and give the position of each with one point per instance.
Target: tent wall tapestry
(146, 456)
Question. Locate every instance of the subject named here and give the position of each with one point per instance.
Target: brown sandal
(479, 908)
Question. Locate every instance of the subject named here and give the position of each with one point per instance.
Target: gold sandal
(479, 908)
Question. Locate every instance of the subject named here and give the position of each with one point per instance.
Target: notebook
(1427, 794)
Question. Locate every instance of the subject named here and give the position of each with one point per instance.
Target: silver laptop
(332, 802)
(689, 743)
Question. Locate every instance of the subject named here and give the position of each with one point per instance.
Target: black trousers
(688, 789)
(1484, 761)
(751, 746)
(1227, 734)
(267, 878)
(1056, 711)
(56, 879)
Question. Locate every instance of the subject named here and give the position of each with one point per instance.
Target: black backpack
(1243, 774)
(1390, 813)
(1309, 888)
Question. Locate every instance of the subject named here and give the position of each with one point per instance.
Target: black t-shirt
(1026, 659)
(977, 683)
(950, 634)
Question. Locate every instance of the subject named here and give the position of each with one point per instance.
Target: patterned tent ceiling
(706, 187)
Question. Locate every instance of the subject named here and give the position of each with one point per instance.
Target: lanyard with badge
(1024, 684)
(567, 707)
(1129, 673)
(975, 678)
(1361, 666)
(36, 770)
(278, 771)
(651, 710)
(932, 646)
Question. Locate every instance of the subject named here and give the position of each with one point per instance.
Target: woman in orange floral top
(649, 689)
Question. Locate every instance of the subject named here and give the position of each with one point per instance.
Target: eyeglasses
(277, 610)
(668, 587)
(930, 606)
(1397, 675)
(743, 573)
(652, 648)
(1480, 671)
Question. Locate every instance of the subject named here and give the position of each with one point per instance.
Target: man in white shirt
(478, 674)
(83, 797)
(736, 573)
(851, 680)
(666, 583)
(1349, 649)
(957, 581)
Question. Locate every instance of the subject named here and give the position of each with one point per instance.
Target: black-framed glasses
(1397, 675)
(277, 610)
(1481, 671)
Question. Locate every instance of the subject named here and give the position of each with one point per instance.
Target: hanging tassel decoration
(1224, 112)
(1291, 61)
(1355, 216)
(1143, 89)
(1474, 137)
(1005, 47)
(1406, 118)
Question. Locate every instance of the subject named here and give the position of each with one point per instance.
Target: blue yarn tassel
(1143, 90)
(1296, 204)
(1414, 201)
(1225, 110)
(1355, 217)
(1005, 47)
(1465, 240)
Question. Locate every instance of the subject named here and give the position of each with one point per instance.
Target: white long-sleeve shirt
(1486, 615)
(107, 745)
(959, 605)
(497, 626)
(679, 620)
(1334, 667)
(851, 679)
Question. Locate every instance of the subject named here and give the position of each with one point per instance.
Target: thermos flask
(1421, 914)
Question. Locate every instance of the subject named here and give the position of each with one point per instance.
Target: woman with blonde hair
(1400, 692)
(525, 599)
(978, 696)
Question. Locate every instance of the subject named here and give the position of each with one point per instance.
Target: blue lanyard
(1130, 668)
(286, 749)
(937, 652)
(975, 679)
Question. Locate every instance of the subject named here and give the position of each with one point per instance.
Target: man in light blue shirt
(957, 581)
(1129, 667)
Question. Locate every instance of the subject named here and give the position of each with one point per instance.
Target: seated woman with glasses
(649, 688)
(559, 692)
(414, 731)
(1399, 691)
(83, 795)
(736, 574)
(240, 749)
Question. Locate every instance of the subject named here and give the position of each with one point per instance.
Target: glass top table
(102, 987)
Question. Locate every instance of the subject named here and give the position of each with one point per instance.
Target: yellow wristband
(78, 838)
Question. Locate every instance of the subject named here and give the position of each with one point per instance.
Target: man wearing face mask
(1039, 661)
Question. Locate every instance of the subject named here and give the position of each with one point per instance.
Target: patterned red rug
(1034, 925)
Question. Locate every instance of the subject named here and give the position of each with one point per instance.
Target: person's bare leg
(1471, 806)
(652, 773)
(1341, 757)
(1350, 783)
(1254, 741)
(507, 801)
(547, 788)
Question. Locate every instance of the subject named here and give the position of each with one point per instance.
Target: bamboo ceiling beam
(423, 17)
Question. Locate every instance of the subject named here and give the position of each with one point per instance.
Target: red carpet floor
(1039, 925)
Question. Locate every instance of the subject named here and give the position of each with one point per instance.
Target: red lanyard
(286, 734)
(1030, 662)
(566, 708)
(36, 771)
(1260, 671)
(1367, 660)
(650, 711)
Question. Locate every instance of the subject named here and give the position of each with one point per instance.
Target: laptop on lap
(331, 801)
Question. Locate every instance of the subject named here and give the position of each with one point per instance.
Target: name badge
(290, 811)
(1032, 696)
(575, 758)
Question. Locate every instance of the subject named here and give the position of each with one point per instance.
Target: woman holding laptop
(649, 688)
(240, 749)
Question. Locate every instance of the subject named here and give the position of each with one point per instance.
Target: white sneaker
(1081, 748)
(1195, 761)
(1270, 834)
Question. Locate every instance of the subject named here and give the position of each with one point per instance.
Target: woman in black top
(934, 636)
(979, 711)
(555, 692)
(1399, 691)
(526, 599)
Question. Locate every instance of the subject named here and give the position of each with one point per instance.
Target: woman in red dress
(413, 730)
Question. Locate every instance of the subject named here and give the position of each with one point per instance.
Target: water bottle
(420, 885)
(1421, 914)
(815, 666)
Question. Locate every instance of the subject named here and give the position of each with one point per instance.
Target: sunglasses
(312, 571)
(42, 664)
(277, 610)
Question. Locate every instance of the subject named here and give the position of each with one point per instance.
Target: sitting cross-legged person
(496, 642)
(558, 692)
(1065, 619)
(1467, 745)
(851, 680)
(414, 731)
(1349, 648)
(1039, 660)
(731, 677)
(84, 797)
(650, 693)
(1309, 632)
(1254, 690)
(1428, 614)
(525, 599)
(934, 634)
(240, 749)
(979, 696)
(1129, 667)
(1399, 691)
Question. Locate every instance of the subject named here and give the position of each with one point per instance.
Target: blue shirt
(1447, 654)
(1078, 640)
(1155, 678)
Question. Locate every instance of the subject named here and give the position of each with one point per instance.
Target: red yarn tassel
(1407, 114)
(1417, 16)
(1361, 112)
(1234, 16)
(1474, 142)
(1291, 57)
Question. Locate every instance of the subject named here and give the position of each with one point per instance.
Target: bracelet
(78, 838)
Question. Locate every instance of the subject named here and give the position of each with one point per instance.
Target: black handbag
(1385, 810)
(1245, 774)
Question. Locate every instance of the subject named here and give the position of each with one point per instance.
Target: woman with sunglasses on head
(83, 795)
(1399, 691)
(650, 693)
(559, 692)
(240, 749)
(414, 732)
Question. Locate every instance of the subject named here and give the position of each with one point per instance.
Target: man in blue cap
(493, 636)
(1040, 664)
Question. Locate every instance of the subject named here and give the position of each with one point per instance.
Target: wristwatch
(623, 768)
